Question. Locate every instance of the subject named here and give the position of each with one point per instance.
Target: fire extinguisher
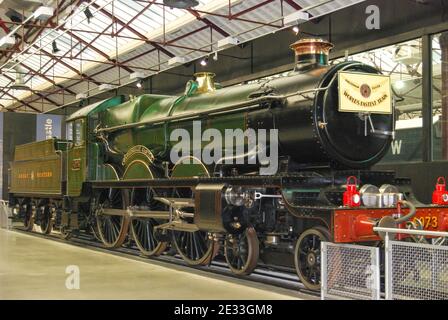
(440, 195)
(351, 196)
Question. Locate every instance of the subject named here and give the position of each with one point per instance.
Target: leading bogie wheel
(307, 256)
(112, 229)
(241, 251)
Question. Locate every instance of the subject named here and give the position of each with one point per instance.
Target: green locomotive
(116, 178)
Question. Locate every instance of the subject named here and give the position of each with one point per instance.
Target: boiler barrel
(313, 131)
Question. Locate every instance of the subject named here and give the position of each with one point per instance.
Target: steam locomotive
(116, 178)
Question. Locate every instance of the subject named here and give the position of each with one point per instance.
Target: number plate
(428, 222)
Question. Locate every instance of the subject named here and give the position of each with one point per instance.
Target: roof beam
(128, 60)
(99, 52)
(34, 92)
(261, 4)
(137, 15)
(22, 102)
(293, 4)
(127, 26)
(39, 74)
(209, 23)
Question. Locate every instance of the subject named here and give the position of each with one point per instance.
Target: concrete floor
(35, 268)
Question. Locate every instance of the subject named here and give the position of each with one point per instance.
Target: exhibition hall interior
(223, 150)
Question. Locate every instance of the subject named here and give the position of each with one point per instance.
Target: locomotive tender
(114, 177)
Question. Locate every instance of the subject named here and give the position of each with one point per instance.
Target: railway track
(266, 275)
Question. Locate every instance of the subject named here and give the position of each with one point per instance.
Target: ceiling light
(81, 96)
(176, 61)
(296, 29)
(106, 87)
(88, 14)
(55, 47)
(136, 75)
(6, 42)
(228, 42)
(215, 56)
(139, 84)
(296, 18)
(19, 83)
(43, 13)
(204, 62)
(181, 4)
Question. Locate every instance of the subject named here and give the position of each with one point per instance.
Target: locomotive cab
(84, 159)
(76, 156)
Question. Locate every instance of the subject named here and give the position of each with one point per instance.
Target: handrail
(411, 231)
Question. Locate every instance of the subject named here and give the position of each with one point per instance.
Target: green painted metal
(107, 173)
(154, 107)
(37, 168)
(138, 169)
(96, 107)
(76, 163)
(192, 168)
(85, 162)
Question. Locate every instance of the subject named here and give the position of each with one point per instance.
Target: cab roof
(96, 107)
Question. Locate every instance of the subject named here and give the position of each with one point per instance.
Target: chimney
(311, 51)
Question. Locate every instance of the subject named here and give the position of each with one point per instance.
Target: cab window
(69, 131)
(78, 132)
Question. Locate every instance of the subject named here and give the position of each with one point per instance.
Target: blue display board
(48, 126)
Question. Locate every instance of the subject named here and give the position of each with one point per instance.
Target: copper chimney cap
(311, 48)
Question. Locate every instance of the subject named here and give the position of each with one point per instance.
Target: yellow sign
(31, 175)
(364, 92)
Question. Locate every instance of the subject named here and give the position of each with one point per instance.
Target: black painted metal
(427, 154)
(312, 130)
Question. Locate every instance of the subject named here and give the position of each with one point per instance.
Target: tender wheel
(196, 248)
(307, 256)
(143, 228)
(46, 219)
(241, 251)
(65, 233)
(112, 229)
(28, 220)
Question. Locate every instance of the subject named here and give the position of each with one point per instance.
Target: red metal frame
(356, 225)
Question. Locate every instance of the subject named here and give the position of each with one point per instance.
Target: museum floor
(37, 268)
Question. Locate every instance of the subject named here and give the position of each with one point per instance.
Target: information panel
(48, 126)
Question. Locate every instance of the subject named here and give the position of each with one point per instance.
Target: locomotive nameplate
(364, 92)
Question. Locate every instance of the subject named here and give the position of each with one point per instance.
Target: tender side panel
(39, 176)
(35, 150)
